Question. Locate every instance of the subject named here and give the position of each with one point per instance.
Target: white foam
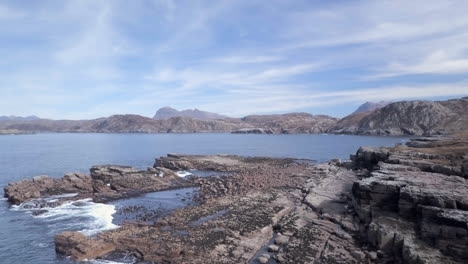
(103, 261)
(81, 215)
(65, 195)
(183, 173)
(39, 244)
(3, 199)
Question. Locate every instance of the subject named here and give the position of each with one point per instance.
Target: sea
(28, 238)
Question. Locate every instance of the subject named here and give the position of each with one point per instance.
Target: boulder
(367, 157)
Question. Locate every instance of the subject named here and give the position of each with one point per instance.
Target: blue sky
(87, 59)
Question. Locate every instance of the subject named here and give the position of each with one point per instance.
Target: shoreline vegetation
(406, 203)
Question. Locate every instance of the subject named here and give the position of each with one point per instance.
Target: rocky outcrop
(80, 247)
(409, 118)
(105, 183)
(220, 163)
(413, 202)
(298, 215)
(41, 186)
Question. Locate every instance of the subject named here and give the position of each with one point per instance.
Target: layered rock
(298, 219)
(80, 247)
(41, 186)
(413, 204)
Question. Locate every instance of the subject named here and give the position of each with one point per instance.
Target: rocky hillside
(168, 112)
(124, 124)
(292, 123)
(289, 123)
(399, 118)
(409, 118)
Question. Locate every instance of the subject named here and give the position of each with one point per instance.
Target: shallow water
(25, 238)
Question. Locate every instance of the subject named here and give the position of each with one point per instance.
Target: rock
(281, 239)
(80, 247)
(372, 255)
(264, 258)
(359, 255)
(367, 157)
(105, 183)
(416, 207)
(273, 248)
(464, 167)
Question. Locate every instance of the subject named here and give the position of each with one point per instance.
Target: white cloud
(436, 63)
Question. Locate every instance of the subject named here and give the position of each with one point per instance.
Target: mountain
(293, 123)
(287, 123)
(398, 118)
(409, 118)
(168, 112)
(31, 117)
(371, 106)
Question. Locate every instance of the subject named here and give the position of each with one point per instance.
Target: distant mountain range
(381, 118)
(31, 117)
(169, 112)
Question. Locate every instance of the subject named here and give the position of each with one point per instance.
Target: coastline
(273, 202)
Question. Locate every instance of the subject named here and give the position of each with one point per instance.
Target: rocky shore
(404, 204)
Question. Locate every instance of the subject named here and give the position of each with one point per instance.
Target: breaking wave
(80, 215)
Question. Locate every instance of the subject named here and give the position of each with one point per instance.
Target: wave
(81, 215)
(183, 173)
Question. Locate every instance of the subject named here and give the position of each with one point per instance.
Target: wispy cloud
(85, 59)
(436, 63)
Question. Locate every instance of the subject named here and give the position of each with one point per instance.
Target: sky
(66, 59)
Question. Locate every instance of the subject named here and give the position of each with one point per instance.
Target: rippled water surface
(28, 238)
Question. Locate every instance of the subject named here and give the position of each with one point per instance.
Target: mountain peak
(371, 106)
(169, 112)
